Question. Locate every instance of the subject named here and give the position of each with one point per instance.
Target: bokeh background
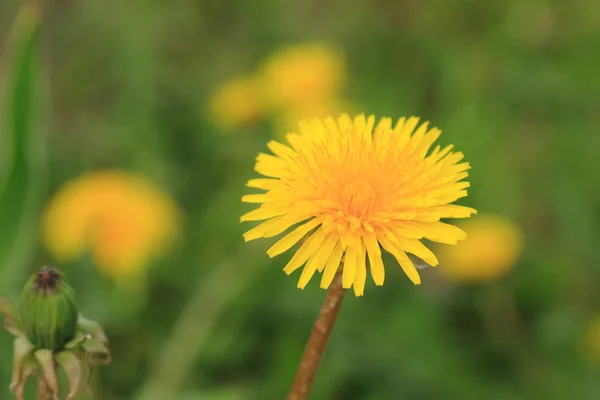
(176, 92)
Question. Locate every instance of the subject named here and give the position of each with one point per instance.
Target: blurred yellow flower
(299, 76)
(492, 248)
(237, 102)
(590, 347)
(121, 219)
(348, 189)
(287, 120)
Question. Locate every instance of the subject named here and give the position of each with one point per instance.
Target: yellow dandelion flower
(590, 345)
(298, 76)
(491, 250)
(121, 219)
(237, 102)
(349, 190)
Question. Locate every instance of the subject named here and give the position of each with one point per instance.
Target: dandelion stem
(43, 390)
(313, 352)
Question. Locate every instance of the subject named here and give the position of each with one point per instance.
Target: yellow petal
(345, 123)
(259, 231)
(361, 273)
(385, 124)
(400, 256)
(450, 188)
(437, 231)
(375, 261)
(407, 130)
(318, 260)
(409, 268)
(292, 238)
(270, 159)
(271, 166)
(417, 248)
(272, 171)
(399, 125)
(332, 266)
(253, 234)
(266, 211)
(318, 131)
(305, 252)
(331, 253)
(350, 265)
(295, 140)
(439, 154)
(416, 139)
(283, 223)
(265, 184)
(359, 125)
(427, 141)
(453, 211)
(254, 198)
(382, 133)
(281, 150)
(332, 126)
(408, 232)
(465, 166)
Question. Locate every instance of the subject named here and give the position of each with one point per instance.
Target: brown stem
(307, 370)
(44, 392)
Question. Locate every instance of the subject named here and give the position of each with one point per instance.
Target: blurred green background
(513, 84)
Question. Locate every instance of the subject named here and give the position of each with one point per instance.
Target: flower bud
(48, 310)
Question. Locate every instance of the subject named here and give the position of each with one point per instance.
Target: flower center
(359, 199)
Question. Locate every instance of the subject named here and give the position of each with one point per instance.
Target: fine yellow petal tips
(357, 187)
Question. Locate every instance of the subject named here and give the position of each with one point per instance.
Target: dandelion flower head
(346, 189)
(491, 250)
(298, 76)
(123, 220)
(237, 102)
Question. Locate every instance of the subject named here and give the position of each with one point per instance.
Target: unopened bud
(48, 310)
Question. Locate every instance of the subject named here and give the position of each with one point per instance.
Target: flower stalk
(44, 392)
(313, 352)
